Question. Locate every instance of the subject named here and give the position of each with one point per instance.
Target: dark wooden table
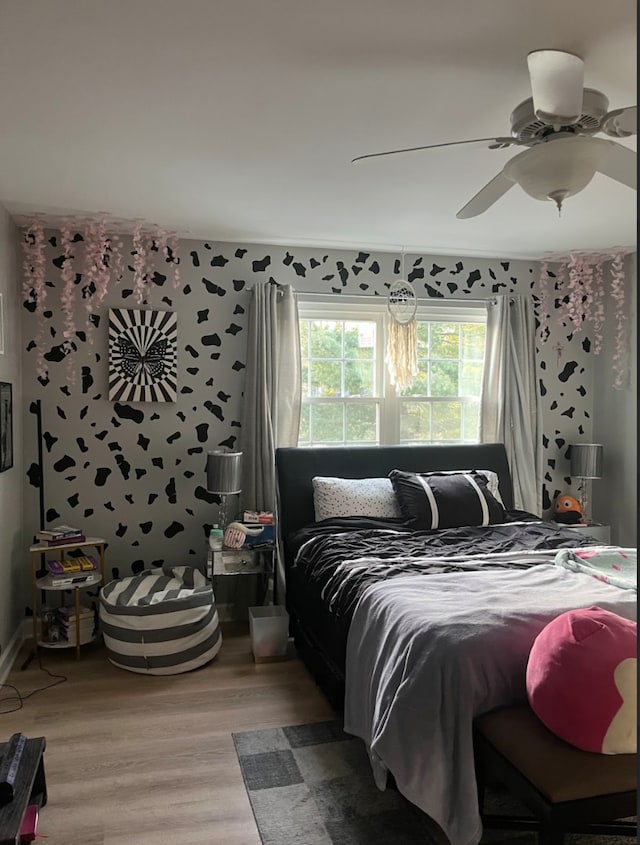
(29, 788)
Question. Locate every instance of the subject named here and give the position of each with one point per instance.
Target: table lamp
(223, 478)
(586, 463)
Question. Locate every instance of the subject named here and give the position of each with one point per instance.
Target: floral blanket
(613, 565)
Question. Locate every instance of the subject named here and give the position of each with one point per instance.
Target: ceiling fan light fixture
(558, 168)
(556, 85)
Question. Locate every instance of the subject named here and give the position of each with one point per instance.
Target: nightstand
(595, 530)
(246, 561)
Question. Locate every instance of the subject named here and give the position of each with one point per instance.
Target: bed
(415, 627)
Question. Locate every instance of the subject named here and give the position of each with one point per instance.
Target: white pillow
(334, 497)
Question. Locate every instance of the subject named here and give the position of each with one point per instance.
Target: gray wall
(14, 557)
(615, 495)
(134, 472)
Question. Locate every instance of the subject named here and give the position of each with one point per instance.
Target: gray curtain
(271, 416)
(510, 408)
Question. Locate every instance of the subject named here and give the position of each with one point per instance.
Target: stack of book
(64, 625)
(59, 535)
(73, 570)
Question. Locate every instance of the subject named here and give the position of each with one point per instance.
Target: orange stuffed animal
(567, 510)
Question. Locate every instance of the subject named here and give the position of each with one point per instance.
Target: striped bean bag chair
(160, 622)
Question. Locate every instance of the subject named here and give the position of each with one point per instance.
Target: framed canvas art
(142, 355)
(6, 426)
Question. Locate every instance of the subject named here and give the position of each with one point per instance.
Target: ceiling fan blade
(492, 144)
(486, 196)
(620, 163)
(621, 122)
(557, 81)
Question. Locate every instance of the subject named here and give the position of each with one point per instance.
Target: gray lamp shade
(223, 472)
(586, 460)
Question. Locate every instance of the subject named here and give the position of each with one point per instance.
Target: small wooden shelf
(44, 583)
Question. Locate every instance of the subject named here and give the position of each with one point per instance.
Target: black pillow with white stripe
(444, 500)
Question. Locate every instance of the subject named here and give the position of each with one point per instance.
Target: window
(346, 395)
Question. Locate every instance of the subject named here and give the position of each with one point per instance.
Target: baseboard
(23, 632)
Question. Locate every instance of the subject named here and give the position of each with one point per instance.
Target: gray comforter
(427, 655)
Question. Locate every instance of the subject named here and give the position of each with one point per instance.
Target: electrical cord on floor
(20, 698)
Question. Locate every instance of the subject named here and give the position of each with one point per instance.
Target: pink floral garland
(543, 315)
(103, 264)
(617, 293)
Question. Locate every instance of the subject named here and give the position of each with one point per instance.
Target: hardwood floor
(142, 760)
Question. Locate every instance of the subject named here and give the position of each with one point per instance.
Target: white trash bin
(269, 629)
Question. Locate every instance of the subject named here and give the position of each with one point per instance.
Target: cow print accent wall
(134, 472)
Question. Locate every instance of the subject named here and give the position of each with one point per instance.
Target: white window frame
(355, 308)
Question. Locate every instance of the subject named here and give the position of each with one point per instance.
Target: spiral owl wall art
(142, 355)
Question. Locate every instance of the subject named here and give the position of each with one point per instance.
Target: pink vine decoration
(100, 260)
(543, 316)
(617, 293)
(597, 306)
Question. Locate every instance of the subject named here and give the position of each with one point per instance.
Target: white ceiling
(237, 120)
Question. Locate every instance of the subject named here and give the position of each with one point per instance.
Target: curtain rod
(382, 298)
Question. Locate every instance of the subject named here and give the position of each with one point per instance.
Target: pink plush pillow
(582, 680)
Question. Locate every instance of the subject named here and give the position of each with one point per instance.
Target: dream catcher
(402, 347)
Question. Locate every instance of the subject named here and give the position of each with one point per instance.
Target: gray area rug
(312, 785)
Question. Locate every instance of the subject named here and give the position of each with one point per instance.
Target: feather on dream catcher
(402, 346)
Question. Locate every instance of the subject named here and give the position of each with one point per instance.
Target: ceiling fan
(557, 125)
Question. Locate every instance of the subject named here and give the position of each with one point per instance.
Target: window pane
(446, 420)
(358, 378)
(327, 423)
(444, 378)
(326, 378)
(471, 425)
(362, 423)
(420, 386)
(415, 421)
(326, 339)
(304, 338)
(445, 340)
(303, 434)
(473, 338)
(359, 340)
(422, 334)
(471, 379)
(304, 377)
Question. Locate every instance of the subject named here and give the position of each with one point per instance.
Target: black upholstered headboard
(296, 466)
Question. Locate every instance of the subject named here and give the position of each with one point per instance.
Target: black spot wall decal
(158, 462)
(240, 253)
(124, 466)
(81, 444)
(193, 371)
(219, 261)
(211, 340)
(49, 440)
(193, 352)
(173, 437)
(87, 513)
(238, 310)
(202, 432)
(203, 315)
(223, 397)
(342, 272)
(151, 498)
(229, 443)
(126, 412)
(66, 462)
(214, 356)
(436, 294)
(261, 266)
(170, 491)
(158, 279)
(33, 474)
(473, 277)
(137, 567)
(140, 472)
(287, 259)
(313, 263)
(216, 410)
(109, 506)
(238, 285)
(73, 501)
(146, 527)
(543, 389)
(569, 413)
(554, 405)
(586, 344)
(143, 442)
(129, 498)
(374, 268)
(195, 258)
(102, 473)
(181, 416)
(233, 329)
(173, 529)
(567, 371)
(459, 268)
(114, 447)
(212, 288)
(237, 366)
(52, 515)
(300, 269)
(453, 287)
(415, 274)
